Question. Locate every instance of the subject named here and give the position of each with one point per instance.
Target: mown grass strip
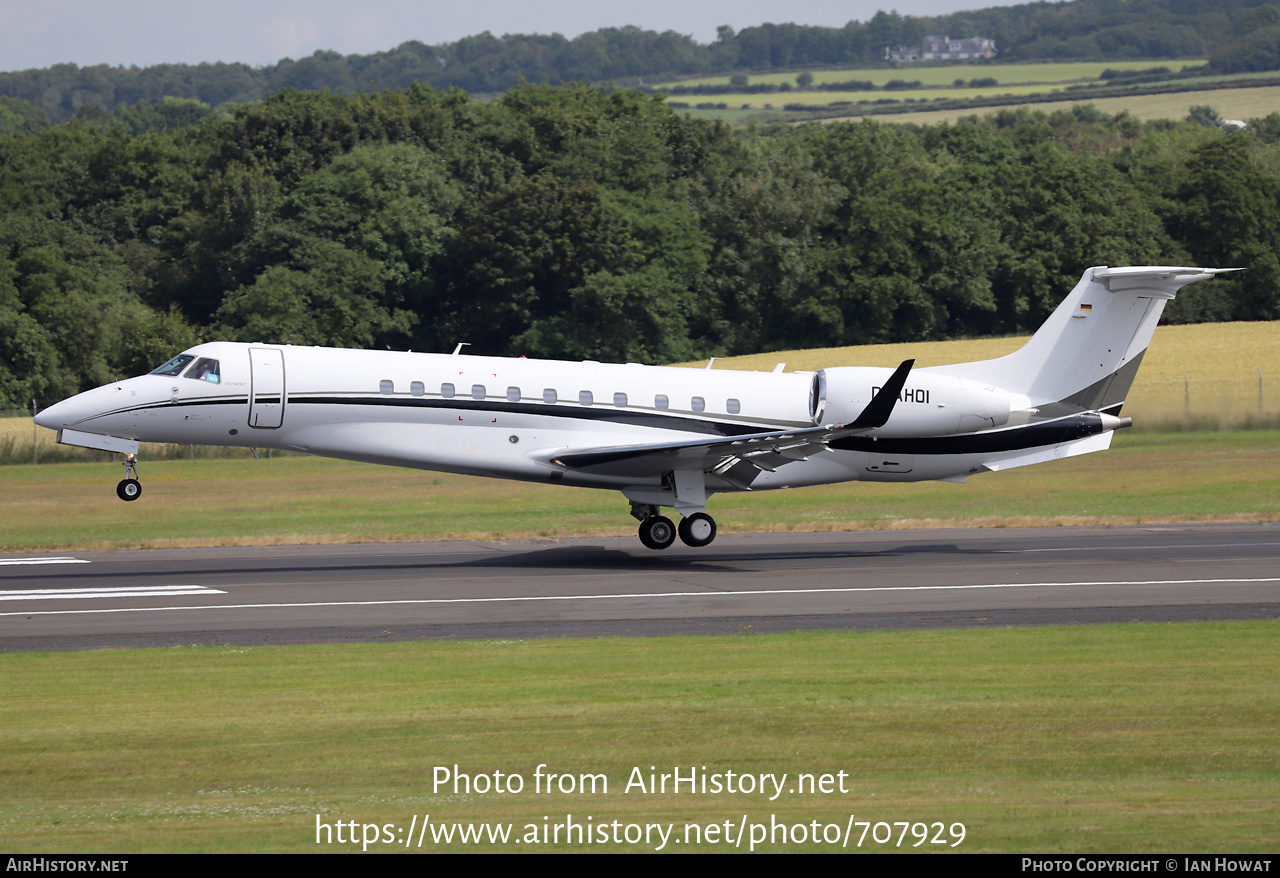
(1110, 738)
(1144, 478)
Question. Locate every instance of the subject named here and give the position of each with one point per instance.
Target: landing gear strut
(130, 488)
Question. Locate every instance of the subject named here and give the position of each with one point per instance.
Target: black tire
(129, 489)
(657, 532)
(697, 530)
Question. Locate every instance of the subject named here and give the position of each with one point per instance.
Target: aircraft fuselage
(663, 436)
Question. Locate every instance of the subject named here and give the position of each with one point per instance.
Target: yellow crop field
(1230, 103)
(17, 434)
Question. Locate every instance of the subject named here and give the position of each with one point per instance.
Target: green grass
(1144, 478)
(1129, 738)
(777, 100)
(1004, 74)
(1014, 81)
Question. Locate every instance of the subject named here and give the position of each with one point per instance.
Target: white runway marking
(1110, 548)
(14, 562)
(639, 596)
(137, 591)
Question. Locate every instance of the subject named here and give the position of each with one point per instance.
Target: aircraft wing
(724, 456)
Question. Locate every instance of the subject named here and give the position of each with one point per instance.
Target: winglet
(877, 412)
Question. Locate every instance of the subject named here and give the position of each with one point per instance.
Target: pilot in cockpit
(205, 369)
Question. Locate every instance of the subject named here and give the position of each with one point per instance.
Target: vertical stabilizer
(1086, 354)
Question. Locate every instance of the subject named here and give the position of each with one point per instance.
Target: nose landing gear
(129, 488)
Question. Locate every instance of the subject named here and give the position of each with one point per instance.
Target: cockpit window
(174, 366)
(205, 369)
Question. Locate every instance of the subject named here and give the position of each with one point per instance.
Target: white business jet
(666, 437)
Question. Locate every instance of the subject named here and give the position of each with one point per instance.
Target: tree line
(1237, 35)
(579, 222)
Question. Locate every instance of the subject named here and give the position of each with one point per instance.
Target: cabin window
(175, 366)
(732, 406)
(699, 404)
(585, 397)
(660, 401)
(620, 400)
(417, 388)
(549, 396)
(513, 394)
(387, 386)
(477, 391)
(447, 390)
(205, 369)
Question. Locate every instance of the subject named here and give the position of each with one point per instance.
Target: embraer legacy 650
(663, 436)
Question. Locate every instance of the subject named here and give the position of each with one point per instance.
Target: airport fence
(1244, 400)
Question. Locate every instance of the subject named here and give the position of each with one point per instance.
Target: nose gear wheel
(129, 488)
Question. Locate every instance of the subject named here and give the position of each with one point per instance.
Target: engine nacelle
(930, 404)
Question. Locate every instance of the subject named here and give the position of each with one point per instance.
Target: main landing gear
(657, 531)
(130, 488)
(698, 529)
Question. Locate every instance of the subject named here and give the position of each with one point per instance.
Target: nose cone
(73, 412)
(55, 417)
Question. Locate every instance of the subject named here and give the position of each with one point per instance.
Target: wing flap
(708, 452)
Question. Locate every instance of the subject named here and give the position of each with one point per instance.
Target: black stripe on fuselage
(628, 417)
(148, 406)
(1035, 435)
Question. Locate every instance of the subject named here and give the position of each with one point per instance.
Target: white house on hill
(942, 48)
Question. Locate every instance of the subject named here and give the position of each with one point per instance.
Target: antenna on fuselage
(461, 345)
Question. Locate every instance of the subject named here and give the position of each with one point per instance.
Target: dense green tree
(27, 356)
(328, 295)
(521, 252)
(21, 117)
(67, 301)
(1253, 51)
(1228, 215)
(584, 222)
(762, 215)
(152, 339)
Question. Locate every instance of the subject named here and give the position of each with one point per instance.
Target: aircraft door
(266, 396)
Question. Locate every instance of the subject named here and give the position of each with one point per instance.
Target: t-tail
(1085, 356)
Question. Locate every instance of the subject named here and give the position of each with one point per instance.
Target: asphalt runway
(615, 587)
